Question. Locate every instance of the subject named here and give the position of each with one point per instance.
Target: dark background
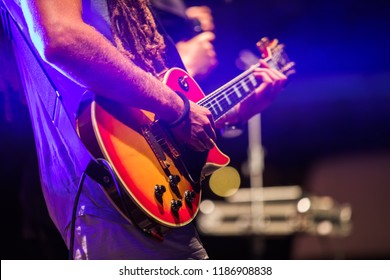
(327, 132)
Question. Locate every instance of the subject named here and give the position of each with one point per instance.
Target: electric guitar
(160, 176)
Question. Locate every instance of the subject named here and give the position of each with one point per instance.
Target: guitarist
(114, 49)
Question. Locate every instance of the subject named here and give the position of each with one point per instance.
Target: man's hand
(203, 15)
(271, 84)
(198, 54)
(198, 130)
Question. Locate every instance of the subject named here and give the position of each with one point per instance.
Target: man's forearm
(87, 57)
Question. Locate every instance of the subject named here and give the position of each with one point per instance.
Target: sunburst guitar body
(159, 175)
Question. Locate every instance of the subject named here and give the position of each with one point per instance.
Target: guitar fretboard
(226, 97)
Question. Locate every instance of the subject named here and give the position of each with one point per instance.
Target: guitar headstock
(273, 53)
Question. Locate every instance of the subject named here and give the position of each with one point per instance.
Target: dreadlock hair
(136, 35)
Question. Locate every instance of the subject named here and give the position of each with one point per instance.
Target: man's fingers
(271, 76)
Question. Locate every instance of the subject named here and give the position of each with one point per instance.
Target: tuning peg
(274, 43)
(262, 44)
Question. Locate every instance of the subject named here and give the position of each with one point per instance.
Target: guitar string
(230, 90)
(225, 92)
(236, 80)
(230, 94)
(222, 93)
(248, 87)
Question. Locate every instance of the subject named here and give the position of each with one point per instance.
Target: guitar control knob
(174, 180)
(183, 83)
(173, 183)
(159, 190)
(176, 205)
(189, 196)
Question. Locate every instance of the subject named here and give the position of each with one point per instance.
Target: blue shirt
(101, 231)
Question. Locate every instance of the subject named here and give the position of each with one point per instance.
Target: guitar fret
(227, 98)
(253, 80)
(213, 109)
(223, 99)
(219, 105)
(245, 86)
(237, 91)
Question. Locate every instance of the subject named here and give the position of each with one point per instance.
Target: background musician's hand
(203, 14)
(198, 54)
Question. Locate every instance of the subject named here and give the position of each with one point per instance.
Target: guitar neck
(226, 97)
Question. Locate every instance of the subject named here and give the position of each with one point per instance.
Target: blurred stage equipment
(260, 211)
(286, 210)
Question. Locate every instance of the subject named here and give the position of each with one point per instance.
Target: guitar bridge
(165, 140)
(155, 146)
(163, 143)
(160, 143)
